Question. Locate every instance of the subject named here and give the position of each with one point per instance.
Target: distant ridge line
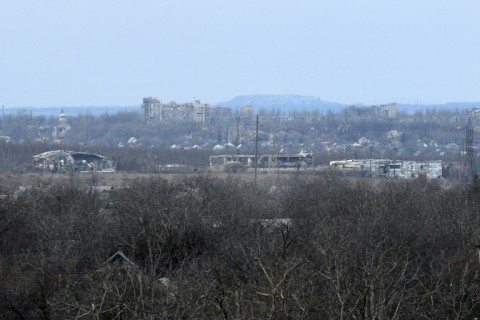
(281, 102)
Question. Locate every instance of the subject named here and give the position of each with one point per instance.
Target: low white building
(392, 168)
(299, 160)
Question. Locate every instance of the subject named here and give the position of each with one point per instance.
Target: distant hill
(310, 103)
(282, 102)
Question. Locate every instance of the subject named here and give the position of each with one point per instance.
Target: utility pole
(270, 165)
(94, 173)
(256, 150)
(394, 168)
(237, 119)
(469, 151)
(370, 161)
(278, 164)
(3, 119)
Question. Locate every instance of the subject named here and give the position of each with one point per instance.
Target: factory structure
(388, 111)
(391, 168)
(245, 161)
(72, 161)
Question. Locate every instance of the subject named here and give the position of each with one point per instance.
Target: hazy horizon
(113, 53)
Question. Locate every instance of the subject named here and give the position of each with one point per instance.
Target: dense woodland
(204, 246)
(309, 247)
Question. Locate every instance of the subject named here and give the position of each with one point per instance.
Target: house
(119, 260)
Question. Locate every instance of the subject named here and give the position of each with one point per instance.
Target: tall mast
(256, 150)
(472, 170)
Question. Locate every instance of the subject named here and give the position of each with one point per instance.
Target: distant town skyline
(114, 53)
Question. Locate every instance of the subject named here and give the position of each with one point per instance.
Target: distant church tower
(60, 130)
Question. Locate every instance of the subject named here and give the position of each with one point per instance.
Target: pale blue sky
(114, 52)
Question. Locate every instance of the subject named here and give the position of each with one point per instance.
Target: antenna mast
(256, 150)
(472, 169)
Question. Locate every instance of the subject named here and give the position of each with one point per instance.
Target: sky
(115, 52)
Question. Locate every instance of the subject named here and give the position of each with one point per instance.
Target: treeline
(210, 248)
(426, 135)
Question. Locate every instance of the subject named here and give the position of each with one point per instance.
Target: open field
(11, 182)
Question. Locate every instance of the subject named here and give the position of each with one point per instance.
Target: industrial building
(382, 111)
(391, 168)
(71, 161)
(300, 160)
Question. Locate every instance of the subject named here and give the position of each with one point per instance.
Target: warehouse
(300, 160)
(391, 168)
(70, 161)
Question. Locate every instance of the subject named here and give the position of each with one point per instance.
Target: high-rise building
(151, 107)
(202, 112)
